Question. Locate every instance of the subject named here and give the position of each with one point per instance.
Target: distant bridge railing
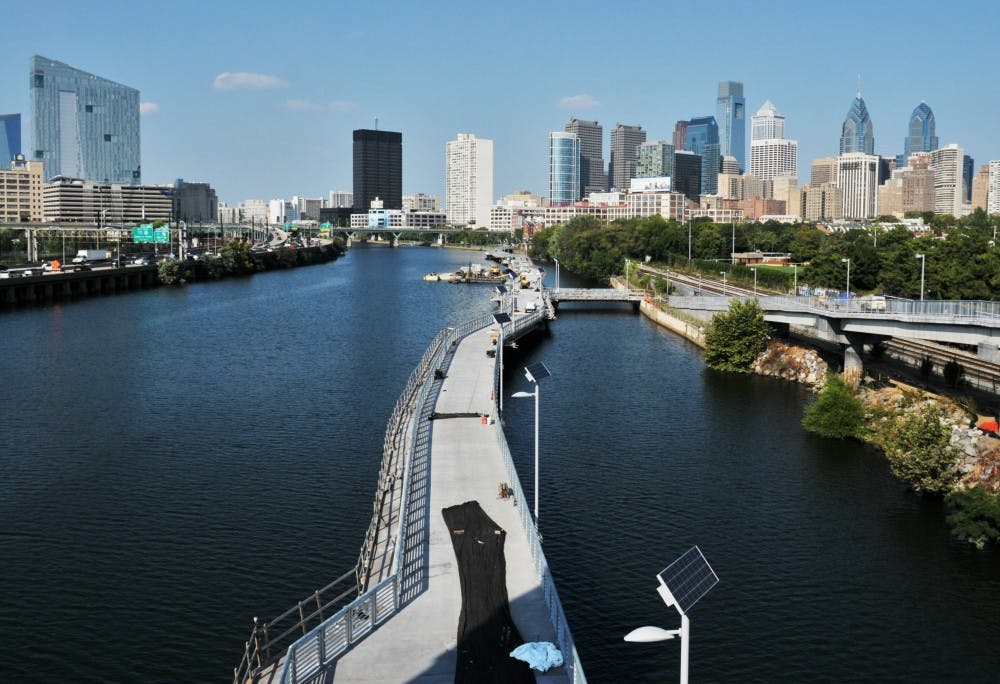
(308, 657)
(603, 294)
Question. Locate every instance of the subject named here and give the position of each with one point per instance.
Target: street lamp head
(920, 256)
(522, 395)
(845, 260)
(647, 634)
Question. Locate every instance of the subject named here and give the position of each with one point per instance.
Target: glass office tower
(10, 139)
(83, 126)
(730, 113)
(564, 168)
(703, 139)
(856, 135)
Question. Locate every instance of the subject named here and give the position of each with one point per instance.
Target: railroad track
(980, 374)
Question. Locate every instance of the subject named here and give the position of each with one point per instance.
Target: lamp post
(500, 319)
(923, 261)
(689, 239)
(627, 288)
(754, 281)
(557, 273)
(534, 373)
(848, 262)
(795, 280)
(723, 274)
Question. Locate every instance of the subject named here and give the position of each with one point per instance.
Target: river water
(176, 461)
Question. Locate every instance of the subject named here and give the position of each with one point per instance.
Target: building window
(107, 137)
(39, 154)
(39, 80)
(89, 108)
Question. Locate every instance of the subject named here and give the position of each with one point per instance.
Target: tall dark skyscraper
(703, 140)
(625, 141)
(10, 138)
(378, 168)
(593, 176)
(687, 174)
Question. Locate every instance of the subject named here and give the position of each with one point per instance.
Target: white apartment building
(468, 180)
(857, 178)
(949, 184)
(340, 199)
(254, 211)
(993, 192)
(771, 155)
(281, 211)
(421, 202)
(21, 191)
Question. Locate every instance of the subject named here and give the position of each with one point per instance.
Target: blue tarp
(540, 655)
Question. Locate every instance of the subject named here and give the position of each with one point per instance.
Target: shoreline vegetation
(236, 259)
(930, 441)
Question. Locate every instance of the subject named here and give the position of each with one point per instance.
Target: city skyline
(259, 117)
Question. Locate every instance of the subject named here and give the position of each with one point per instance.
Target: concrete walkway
(419, 643)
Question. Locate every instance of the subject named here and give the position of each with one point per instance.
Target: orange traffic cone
(484, 419)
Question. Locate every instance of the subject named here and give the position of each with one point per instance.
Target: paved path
(419, 643)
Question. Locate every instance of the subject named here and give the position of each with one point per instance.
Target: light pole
(795, 280)
(627, 288)
(754, 281)
(689, 239)
(500, 319)
(732, 257)
(923, 261)
(848, 262)
(534, 373)
(723, 274)
(557, 273)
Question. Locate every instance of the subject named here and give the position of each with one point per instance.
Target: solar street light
(535, 372)
(682, 584)
(500, 319)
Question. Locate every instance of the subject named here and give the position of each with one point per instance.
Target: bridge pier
(440, 240)
(854, 368)
(988, 352)
(395, 239)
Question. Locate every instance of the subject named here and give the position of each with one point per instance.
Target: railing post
(322, 645)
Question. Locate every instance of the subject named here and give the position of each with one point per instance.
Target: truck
(91, 255)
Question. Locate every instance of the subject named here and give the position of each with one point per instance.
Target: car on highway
(144, 260)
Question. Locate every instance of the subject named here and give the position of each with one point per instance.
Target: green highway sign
(144, 233)
(161, 234)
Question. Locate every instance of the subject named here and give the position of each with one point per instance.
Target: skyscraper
(564, 168)
(856, 134)
(83, 126)
(920, 135)
(731, 116)
(948, 165)
(703, 139)
(593, 177)
(10, 138)
(771, 155)
(625, 141)
(655, 159)
(687, 174)
(469, 180)
(680, 134)
(378, 168)
(993, 193)
(857, 178)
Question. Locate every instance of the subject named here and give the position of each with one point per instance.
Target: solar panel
(501, 318)
(689, 578)
(537, 371)
(501, 289)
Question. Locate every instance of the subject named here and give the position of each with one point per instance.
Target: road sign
(143, 233)
(161, 234)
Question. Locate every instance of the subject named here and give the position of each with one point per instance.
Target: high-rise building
(857, 134)
(857, 178)
(703, 140)
(680, 135)
(981, 188)
(254, 211)
(729, 164)
(771, 155)
(731, 116)
(822, 202)
(421, 202)
(339, 199)
(655, 160)
(21, 191)
(468, 180)
(10, 138)
(918, 183)
(968, 169)
(993, 193)
(948, 165)
(593, 177)
(920, 136)
(307, 207)
(195, 202)
(83, 126)
(824, 170)
(378, 168)
(564, 168)
(687, 174)
(625, 142)
(108, 204)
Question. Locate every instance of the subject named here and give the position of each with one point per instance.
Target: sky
(261, 101)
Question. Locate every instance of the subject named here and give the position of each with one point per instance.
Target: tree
(736, 338)
(975, 515)
(837, 412)
(919, 450)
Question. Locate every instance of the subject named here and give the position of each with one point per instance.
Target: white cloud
(335, 106)
(243, 80)
(584, 101)
(148, 108)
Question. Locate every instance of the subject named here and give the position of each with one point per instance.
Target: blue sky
(261, 102)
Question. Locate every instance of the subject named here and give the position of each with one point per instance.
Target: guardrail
(308, 657)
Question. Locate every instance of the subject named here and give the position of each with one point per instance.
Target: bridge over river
(444, 446)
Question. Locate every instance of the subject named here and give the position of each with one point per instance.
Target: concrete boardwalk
(418, 644)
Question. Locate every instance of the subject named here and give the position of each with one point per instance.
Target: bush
(919, 450)
(736, 338)
(953, 373)
(975, 515)
(837, 412)
(926, 367)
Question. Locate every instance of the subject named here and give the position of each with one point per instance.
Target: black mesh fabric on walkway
(486, 632)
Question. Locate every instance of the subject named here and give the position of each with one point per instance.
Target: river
(176, 461)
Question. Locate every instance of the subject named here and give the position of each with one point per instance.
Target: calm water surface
(176, 461)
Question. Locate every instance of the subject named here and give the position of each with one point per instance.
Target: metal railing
(308, 657)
